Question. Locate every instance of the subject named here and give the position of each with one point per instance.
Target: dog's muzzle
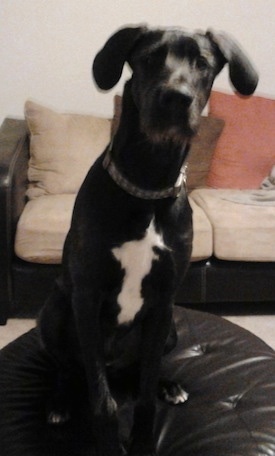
(173, 101)
(170, 115)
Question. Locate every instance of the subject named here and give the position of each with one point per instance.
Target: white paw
(173, 393)
(57, 419)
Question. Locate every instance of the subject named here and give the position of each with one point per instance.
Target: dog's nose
(175, 99)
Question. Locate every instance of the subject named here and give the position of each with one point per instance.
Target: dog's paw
(122, 448)
(172, 392)
(151, 453)
(56, 418)
(141, 452)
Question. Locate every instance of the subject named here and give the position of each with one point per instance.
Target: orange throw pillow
(245, 151)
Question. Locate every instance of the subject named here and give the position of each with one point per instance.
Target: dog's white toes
(182, 397)
(173, 393)
(57, 419)
(177, 399)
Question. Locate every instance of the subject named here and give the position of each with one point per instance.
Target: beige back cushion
(62, 149)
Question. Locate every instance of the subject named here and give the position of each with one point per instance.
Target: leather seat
(228, 372)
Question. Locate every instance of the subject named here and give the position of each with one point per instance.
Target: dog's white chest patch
(136, 258)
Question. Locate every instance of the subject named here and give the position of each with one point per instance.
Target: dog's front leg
(155, 332)
(103, 407)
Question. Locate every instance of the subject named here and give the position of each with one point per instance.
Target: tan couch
(226, 223)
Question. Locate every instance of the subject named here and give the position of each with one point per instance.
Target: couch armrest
(14, 155)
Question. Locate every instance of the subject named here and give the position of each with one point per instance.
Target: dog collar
(129, 187)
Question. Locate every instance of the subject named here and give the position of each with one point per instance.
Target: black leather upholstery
(228, 372)
(13, 182)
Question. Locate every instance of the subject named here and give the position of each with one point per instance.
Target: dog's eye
(202, 63)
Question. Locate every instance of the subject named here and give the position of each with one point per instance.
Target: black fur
(162, 104)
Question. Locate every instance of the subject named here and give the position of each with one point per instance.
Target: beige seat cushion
(42, 228)
(45, 221)
(62, 149)
(202, 233)
(242, 232)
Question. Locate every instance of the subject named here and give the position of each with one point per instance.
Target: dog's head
(173, 73)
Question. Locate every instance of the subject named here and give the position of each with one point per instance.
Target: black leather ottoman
(228, 372)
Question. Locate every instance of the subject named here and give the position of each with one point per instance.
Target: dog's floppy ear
(108, 63)
(242, 73)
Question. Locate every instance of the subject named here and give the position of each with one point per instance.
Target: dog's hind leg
(56, 328)
(58, 407)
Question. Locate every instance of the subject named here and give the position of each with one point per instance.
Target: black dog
(131, 233)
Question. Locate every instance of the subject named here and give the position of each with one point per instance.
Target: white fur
(136, 258)
(176, 64)
(179, 71)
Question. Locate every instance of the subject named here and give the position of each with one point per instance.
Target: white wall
(47, 46)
